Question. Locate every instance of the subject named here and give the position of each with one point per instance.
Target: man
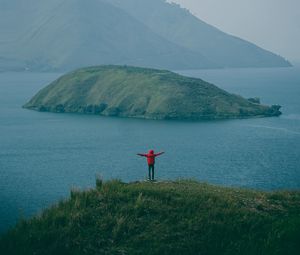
(151, 161)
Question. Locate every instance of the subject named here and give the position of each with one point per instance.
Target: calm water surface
(44, 155)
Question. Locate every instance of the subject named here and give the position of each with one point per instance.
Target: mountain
(143, 93)
(64, 35)
(67, 34)
(178, 25)
(182, 217)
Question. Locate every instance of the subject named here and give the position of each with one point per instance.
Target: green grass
(136, 92)
(181, 217)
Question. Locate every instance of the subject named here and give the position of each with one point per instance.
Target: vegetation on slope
(182, 217)
(143, 93)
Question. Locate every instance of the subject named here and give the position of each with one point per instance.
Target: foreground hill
(182, 217)
(68, 34)
(143, 93)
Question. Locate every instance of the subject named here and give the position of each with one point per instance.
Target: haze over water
(44, 155)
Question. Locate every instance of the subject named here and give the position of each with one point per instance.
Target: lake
(44, 155)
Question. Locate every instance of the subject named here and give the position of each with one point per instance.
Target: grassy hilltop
(182, 217)
(143, 93)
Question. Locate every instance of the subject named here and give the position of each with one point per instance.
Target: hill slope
(67, 34)
(181, 217)
(142, 93)
(178, 25)
(64, 35)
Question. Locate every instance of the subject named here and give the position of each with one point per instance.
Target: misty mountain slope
(67, 34)
(181, 27)
(73, 33)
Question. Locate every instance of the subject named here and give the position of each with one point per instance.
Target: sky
(271, 24)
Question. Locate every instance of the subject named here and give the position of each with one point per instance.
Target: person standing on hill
(151, 162)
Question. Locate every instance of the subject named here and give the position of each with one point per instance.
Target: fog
(133, 32)
(271, 24)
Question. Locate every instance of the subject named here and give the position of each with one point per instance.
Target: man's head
(151, 152)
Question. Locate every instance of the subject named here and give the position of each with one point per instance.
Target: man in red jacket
(151, 161)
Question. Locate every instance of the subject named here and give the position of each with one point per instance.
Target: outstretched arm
(158, 154)
(142, 155)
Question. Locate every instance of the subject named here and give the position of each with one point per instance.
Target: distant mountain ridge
(178, 25)
(62, 35)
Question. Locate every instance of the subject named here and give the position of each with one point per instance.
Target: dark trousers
(151, 171)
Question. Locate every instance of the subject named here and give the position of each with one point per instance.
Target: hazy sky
(271, 24)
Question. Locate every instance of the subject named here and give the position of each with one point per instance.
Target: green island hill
(136, 92)
(178, 217)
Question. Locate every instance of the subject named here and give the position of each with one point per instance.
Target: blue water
(44, 155)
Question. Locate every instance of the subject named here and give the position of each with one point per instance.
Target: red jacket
(150, 156)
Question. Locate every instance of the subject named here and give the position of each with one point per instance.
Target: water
(44, 155)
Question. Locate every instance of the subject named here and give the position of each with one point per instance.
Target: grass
(136, 92)
(181, 217)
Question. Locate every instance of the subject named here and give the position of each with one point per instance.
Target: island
(135, 92)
